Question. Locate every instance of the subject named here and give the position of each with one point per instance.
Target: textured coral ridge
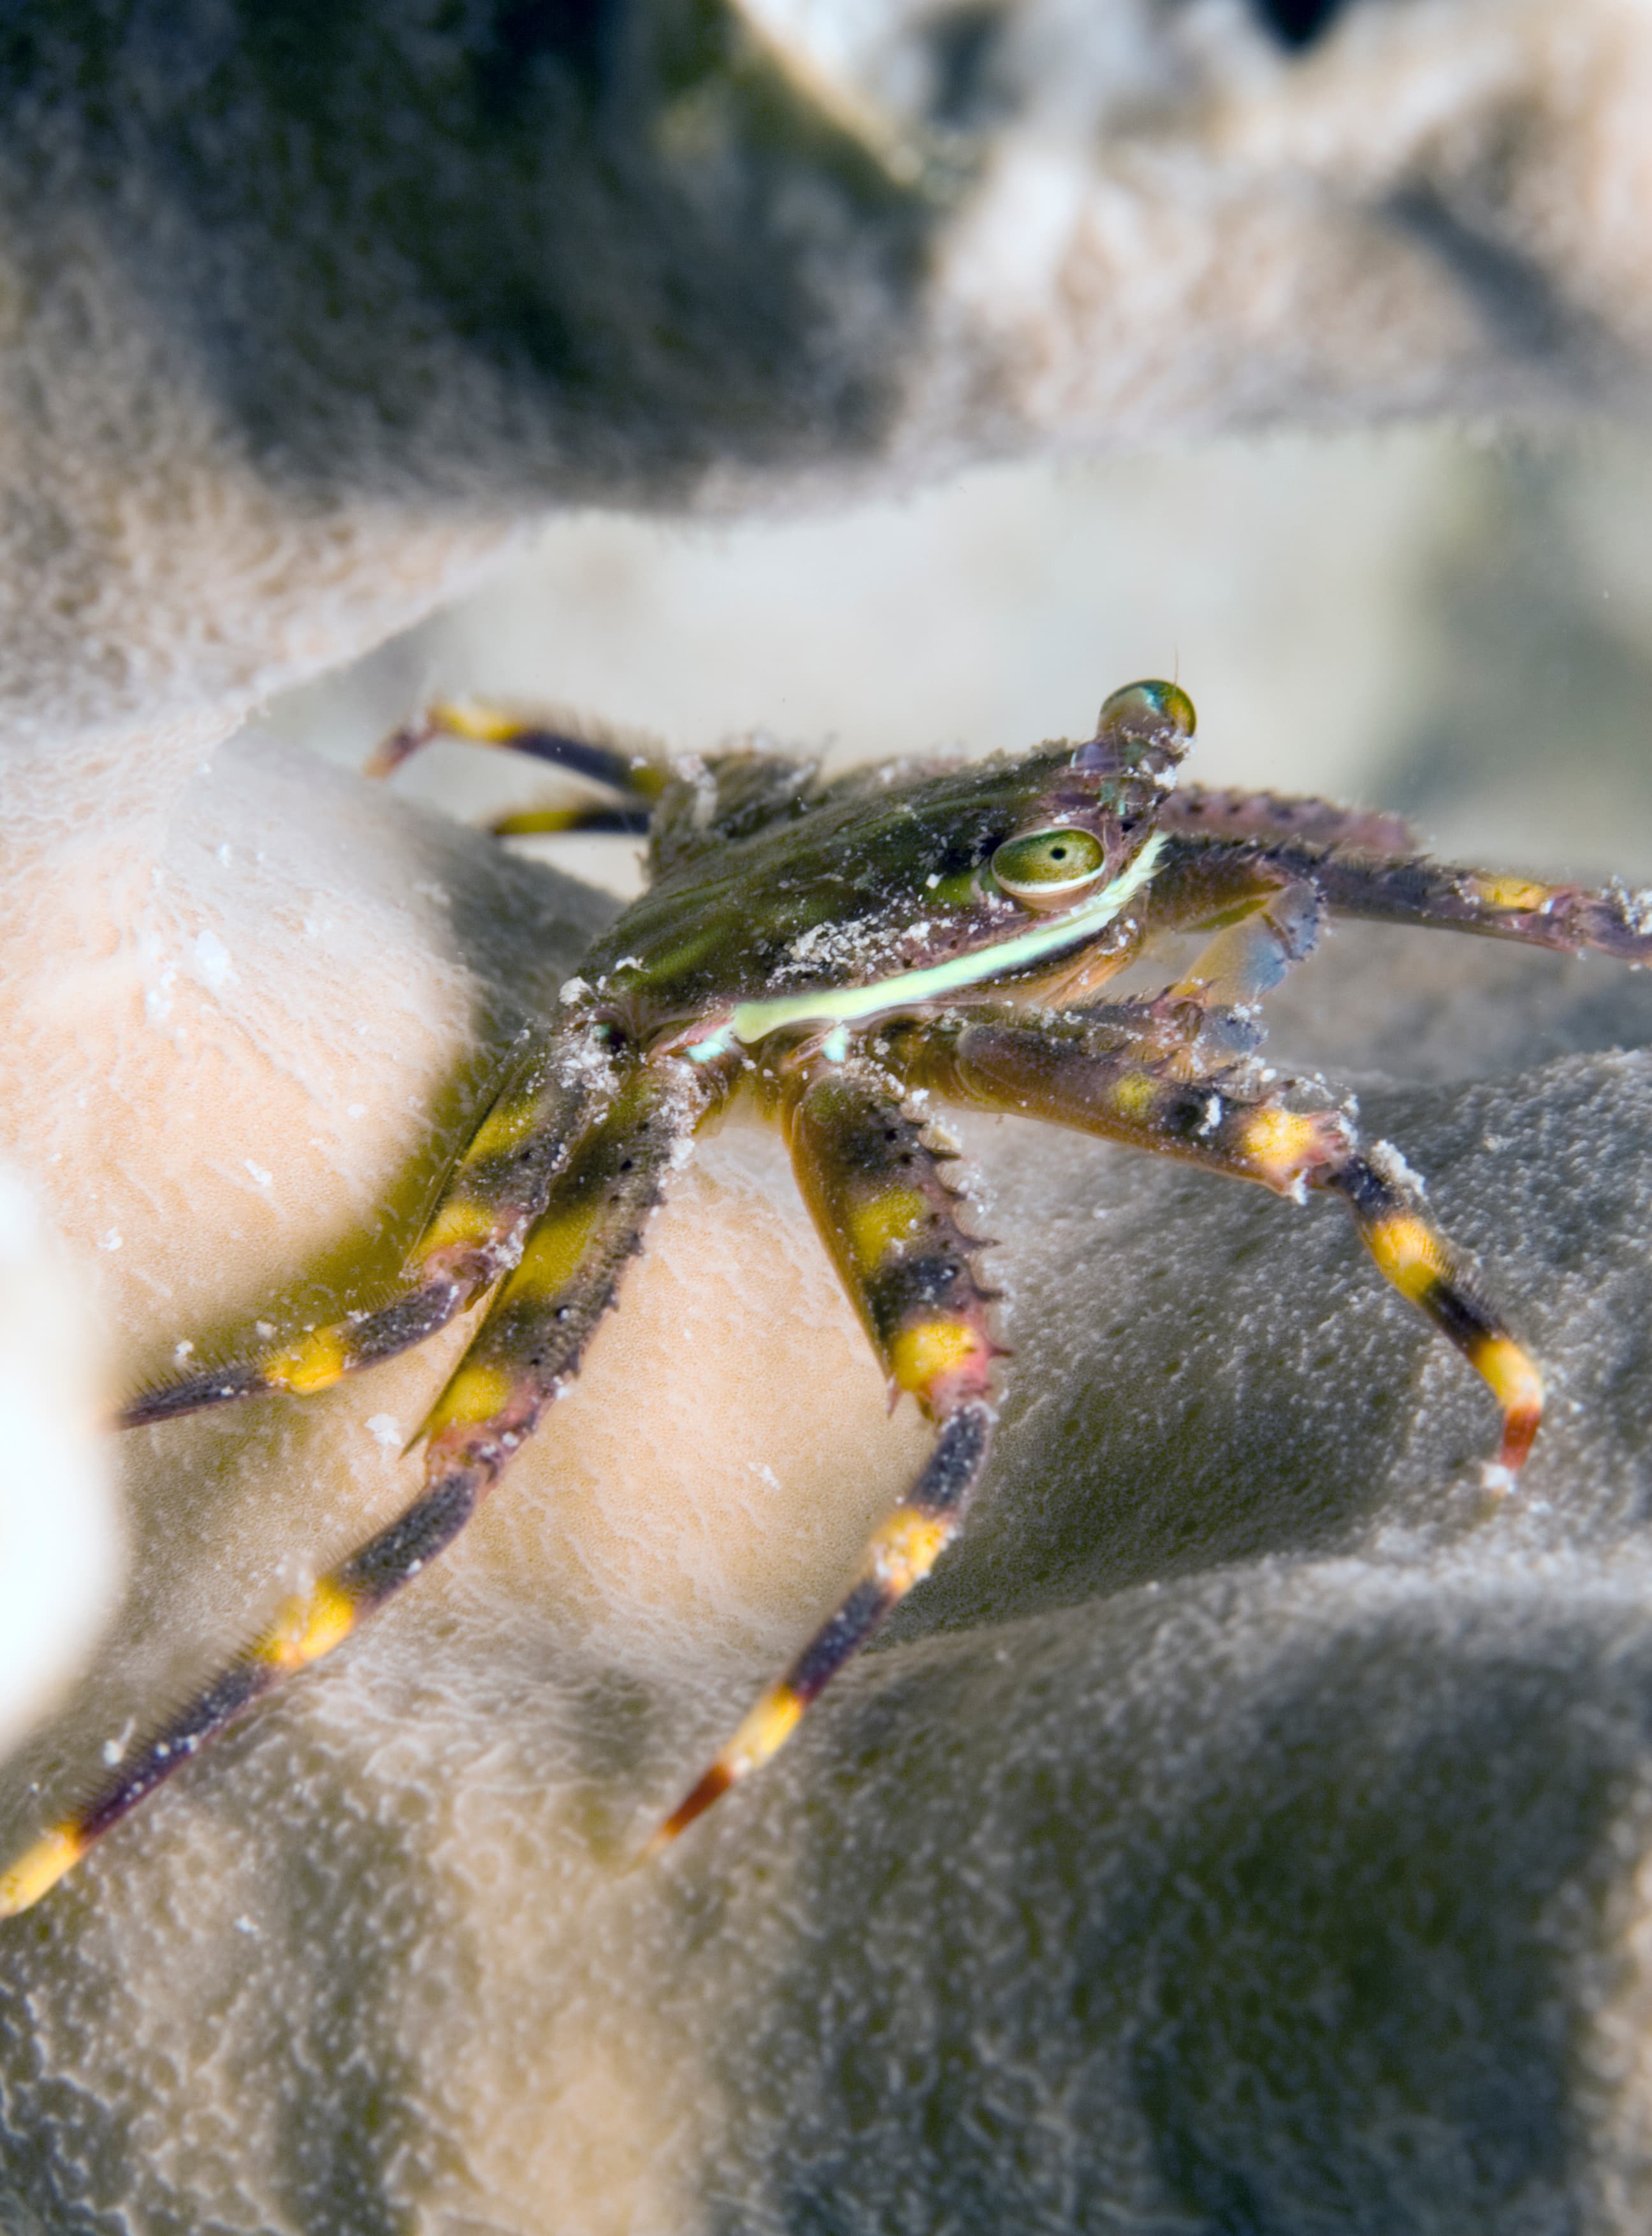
(310, 308)
(1248, 1821)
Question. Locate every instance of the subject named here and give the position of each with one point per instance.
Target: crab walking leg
(545, 822)
(1077, 1078)
(1495, 904)
(1423, 1265)
(525, 1354)
(495, 1191)
(890, 1223)
(1084, 1075)
(1412, 888)
(633, 769)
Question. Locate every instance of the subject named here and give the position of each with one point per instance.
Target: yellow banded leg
(1410, 889)
(1071, 1075)
(1072, 1078)
(308, 1628)
(554, 822)
(529, 1347)
(902, 1553)
(1423, 1266)
(1224, 846)
(890, 1223)
(635, 766)
(538, 1324)
(495, 1188)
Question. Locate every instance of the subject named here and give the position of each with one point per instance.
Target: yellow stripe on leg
(1135, 1095)
(907, 1547)
(461, 1219)
(1409, 1253)
(512, 1121)
(315, 1361)
(307, 1627)
(556, 1251)
(538, 822)
(1517, 1382)
(1523, 896)
(873, 1226)
(476, 1393)
(920, 1355)
(483, 726)
(763, 1734)
(38, 1869)
(1283, 1144)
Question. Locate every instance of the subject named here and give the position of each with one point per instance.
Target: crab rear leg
(626, 766)
(636, 771)
(889, 1224)
(1080, 1076)
(1423, 1265)
(526, 1350)
(497, 1188)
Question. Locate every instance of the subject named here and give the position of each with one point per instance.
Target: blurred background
(1459, 627)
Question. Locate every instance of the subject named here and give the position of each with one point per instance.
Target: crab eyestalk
(1144, 729)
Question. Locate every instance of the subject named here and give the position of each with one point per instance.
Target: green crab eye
(1142, 730)
(1147, 711)
(1045, 867)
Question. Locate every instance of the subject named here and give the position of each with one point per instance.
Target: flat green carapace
(845, 955)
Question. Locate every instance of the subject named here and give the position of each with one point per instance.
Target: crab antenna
(1145, 728)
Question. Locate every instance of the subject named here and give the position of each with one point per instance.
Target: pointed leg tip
(1496, 1481)
(1520, 1428)
(399, 746)
(193, 1393)
(711, 1788)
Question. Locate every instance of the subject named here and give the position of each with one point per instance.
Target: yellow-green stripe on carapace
(847, 956)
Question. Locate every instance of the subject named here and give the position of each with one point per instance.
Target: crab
(844, 954)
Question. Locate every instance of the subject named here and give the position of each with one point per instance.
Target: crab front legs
(889, 1224)
(1084, 1074)
(498, 1186)
(526, 1350)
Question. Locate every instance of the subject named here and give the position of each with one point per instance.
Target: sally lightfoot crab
(839, 954)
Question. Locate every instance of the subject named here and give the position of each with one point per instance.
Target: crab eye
(1144, 729)
(1045, 867)
(1147, 711)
